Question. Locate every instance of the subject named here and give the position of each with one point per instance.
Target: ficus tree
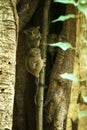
(63, 104)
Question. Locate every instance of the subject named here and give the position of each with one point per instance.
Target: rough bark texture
(26, 10)
(24, 106)
(57, 101)
(79, 90)
(8, 44)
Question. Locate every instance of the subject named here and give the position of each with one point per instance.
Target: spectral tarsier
(33, 37)
(33, 62)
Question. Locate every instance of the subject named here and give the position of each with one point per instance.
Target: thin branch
(40, 99)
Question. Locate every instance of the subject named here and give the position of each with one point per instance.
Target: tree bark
(8, 44)
(26, 10)
(79, 90)
(58, 95)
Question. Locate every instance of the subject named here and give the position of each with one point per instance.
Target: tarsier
(33, 37)
(33, 62)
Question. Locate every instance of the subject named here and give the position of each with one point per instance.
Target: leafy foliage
(65, 1)
(63, 45)
(82, 114)
(63, 18)
(69, 76)
(80, 4)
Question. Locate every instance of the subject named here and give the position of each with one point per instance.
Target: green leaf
(63, 18)
(82, 6)
(84, 99)
(82, 114)
(63, 45)
(65, 1)
(69, 76)
(83, 1)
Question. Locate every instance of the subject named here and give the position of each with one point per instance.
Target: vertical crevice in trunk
(58, 95)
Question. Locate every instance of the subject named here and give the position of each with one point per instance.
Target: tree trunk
(79, 90)
(58, 95)
(59, 90)
(8, 44)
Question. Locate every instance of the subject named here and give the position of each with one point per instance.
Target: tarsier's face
(35, 52)
(33, 33)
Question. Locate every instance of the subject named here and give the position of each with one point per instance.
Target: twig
(40, 96)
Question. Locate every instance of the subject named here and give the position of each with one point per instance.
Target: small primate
(33, 62)
(33, 37)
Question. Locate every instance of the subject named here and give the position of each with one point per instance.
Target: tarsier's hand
(33, 37)
(33, 62)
